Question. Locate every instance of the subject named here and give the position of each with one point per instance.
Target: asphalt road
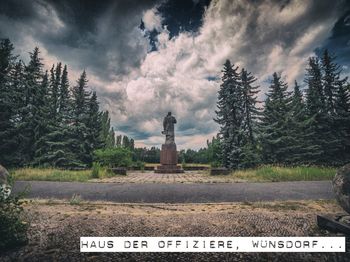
(179, 193)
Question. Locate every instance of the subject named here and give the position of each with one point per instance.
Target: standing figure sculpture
(168, 153)
(168, 125)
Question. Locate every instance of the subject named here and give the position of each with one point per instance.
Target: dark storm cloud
(284, 31)
(99, 35)
(182, 73)
(339, 42)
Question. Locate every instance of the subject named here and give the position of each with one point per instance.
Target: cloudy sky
(147, 57)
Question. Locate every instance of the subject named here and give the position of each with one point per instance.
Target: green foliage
(183, 163)
(107, 133)
(292, 129)
(113, 157)
(237, 114)
(275, 136)
(215, 164)
(51, 174)
(148, 155)
(280, 173)
(138, 164)
(44, 122)
(13, 230)
(96, 168)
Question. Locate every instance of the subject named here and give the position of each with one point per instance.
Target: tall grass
(279, 173)
(52, 174)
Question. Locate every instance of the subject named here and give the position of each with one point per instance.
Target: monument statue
(168, 126)
(168, 153)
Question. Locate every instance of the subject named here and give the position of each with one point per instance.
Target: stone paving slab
(188, 177)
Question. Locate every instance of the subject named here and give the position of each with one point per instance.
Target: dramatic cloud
(172, 62)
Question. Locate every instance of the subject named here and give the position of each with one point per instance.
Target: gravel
(55, 228)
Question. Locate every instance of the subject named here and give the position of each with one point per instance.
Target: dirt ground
(56, 226)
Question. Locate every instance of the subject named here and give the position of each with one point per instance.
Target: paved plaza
(188, 177)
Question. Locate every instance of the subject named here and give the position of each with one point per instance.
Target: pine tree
(275, 138)
(297, 122)
(94, 127)
(342, 120)
(330, 79)
(42, 121)
(55, 82)
(250, 155)
(57, 140)
(321, 136)
(64, 98)
(8, 134)
(79, 145)
(29, 131)
(335, 97)
(229, 116)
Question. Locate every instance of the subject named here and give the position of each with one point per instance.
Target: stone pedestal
(168, 160)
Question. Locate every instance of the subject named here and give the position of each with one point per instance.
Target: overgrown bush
(96, 168)
(13, 230)
(113, 157)
(215, 164)
(138, 165)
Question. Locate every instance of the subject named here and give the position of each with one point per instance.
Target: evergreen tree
(324, 141)
(42, 119)
(298, 124)
(94, 126)
(342, 120)
(8, 134)
(229, 116)
(29, 127)
(57, 141)
(250, 155)
(330, 79)
(55, 82)
(335, 99)
(79, 145)
(64, 98)
(275, 137)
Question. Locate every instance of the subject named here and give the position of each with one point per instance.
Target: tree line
(309, 126)
(44, 121)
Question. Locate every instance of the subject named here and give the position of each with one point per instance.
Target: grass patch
(52, 174)
(279, 173)
(187, 165)
(75, 200)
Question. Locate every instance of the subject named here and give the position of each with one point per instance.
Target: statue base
(168, 160)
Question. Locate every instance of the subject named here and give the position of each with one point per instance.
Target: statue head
(169, 113)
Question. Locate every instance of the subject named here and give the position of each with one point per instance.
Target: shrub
(183, 163)
(215, 164)
(139, 165)
(13, 230)
(96, 168)
(113, 157)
